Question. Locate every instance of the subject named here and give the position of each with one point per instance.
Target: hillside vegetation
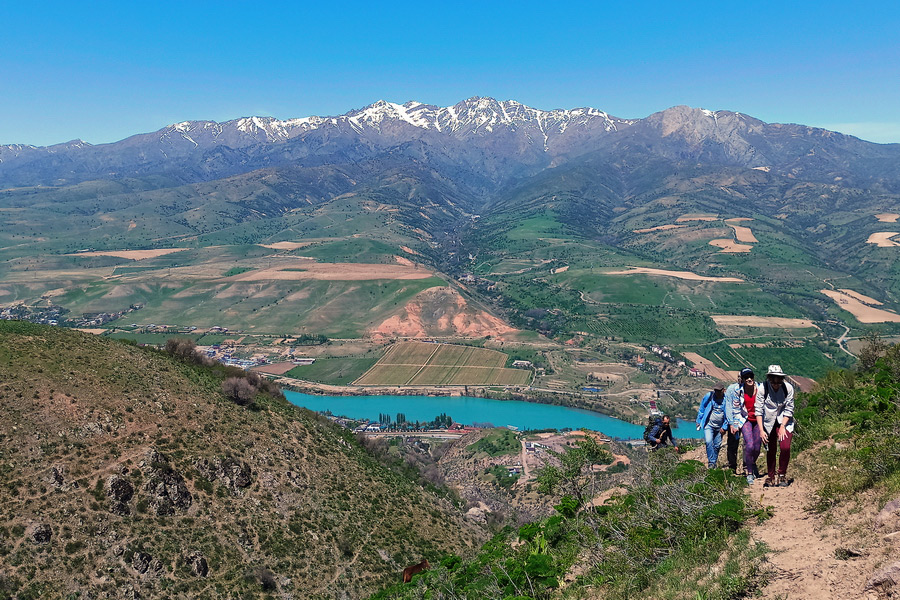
(128, 471)
(858, 414)
(675, 530)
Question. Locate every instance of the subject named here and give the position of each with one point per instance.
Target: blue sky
(101, 71)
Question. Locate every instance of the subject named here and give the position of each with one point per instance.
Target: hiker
(741, 409)
(711, 418)
(775, 418)
(660, 434)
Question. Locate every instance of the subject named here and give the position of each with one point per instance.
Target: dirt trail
(803, 562)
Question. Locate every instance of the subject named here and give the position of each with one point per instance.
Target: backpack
(648, 429)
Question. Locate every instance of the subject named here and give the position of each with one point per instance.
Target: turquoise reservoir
(467, 410)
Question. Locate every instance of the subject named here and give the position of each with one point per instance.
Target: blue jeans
(713, 435)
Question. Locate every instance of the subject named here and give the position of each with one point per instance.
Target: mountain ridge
(506, 137)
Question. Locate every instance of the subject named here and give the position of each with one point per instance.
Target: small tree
(575, 476)
(874, 349)
(239, 390)
(183, 348)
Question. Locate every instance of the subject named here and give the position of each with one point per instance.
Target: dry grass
(861, 297)
(659, 228)
(730, 246)
(678, 274)
(310, 269)
(755, 321)
(131, 254)
(696, 217)
(743, 234)
(286, 245)
(862, 312)
(882, 239)
(710, 369)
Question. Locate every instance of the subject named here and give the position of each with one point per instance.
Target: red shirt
(750, 401)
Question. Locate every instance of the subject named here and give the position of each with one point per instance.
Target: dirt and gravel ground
(814, 556)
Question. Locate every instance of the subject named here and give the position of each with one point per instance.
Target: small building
(522, 363)
(304, 361)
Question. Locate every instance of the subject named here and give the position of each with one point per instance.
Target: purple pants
(774, 446)
(752, 445)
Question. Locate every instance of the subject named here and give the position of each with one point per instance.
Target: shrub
(266, 578)
(183, 348)
(239, 390)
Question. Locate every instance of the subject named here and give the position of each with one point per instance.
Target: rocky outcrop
(198, 563)
(234, 474)
(57, 477)
(886, 581)
(120, 491)
(888, 519)
(165, 487)
(41, 534)
(140, 562)
(144, 563)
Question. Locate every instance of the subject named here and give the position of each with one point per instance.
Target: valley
(590, 244)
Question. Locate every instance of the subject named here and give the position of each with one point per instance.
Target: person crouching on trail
(741, 408)
(775, 417)
(661, 435)
(711, 418)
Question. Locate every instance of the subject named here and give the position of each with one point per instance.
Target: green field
(420, 363)
(497, 443)
(805, 359)
(200, 290)
(334, 371)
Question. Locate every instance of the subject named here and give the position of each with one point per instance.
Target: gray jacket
(775, 406)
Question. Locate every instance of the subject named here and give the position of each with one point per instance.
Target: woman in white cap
(775, 417)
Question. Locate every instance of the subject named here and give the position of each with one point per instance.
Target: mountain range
(502, 139)
(490, 188)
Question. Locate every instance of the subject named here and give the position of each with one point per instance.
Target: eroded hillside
(127, 473)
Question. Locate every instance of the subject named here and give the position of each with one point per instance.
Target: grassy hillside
(127, 470)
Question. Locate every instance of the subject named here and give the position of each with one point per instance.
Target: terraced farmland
(422, 363)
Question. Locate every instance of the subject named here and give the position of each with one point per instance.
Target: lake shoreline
(572, 401)
(469, 410)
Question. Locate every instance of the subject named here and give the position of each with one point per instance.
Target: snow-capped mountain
(497, 140)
